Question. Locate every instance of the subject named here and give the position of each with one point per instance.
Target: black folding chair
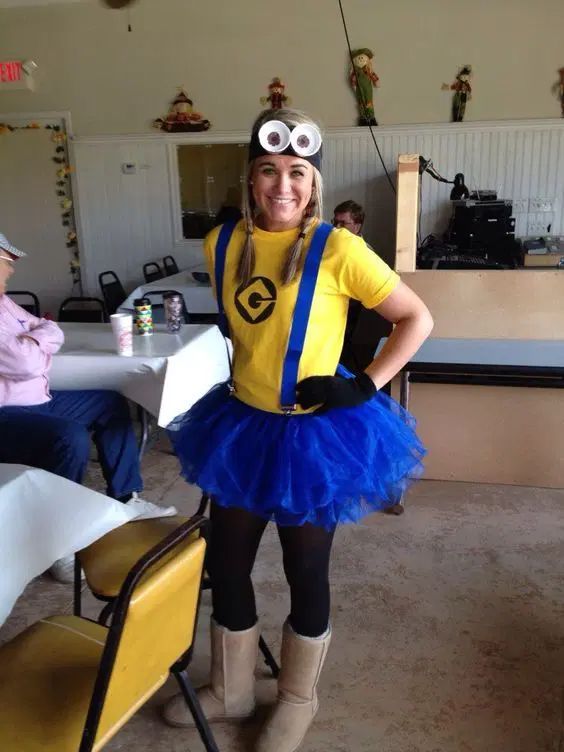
(32, 304)
(204, 318)
(152, 271)
(82, 309)
(170, 266)
(112, 291)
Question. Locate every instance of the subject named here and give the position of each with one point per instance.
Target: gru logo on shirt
(256, 299)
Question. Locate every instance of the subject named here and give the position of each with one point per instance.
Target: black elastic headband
(275, 137)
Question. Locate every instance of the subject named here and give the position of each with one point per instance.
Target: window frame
(191, 139)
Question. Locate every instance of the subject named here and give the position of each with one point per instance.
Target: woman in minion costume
(293, 438)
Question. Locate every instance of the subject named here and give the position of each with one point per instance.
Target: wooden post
(407, 212)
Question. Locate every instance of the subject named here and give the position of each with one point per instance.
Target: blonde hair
(312, 213)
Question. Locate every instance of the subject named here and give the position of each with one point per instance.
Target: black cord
(392, 186)
(426, 165)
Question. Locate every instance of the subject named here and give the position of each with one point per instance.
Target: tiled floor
(448, 626)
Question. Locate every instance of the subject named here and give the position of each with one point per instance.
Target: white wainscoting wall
(126, 220)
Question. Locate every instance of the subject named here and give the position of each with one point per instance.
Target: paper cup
(122, 325)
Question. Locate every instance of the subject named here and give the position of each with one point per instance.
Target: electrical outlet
(540, 205)
(536, 226)
(520, 206)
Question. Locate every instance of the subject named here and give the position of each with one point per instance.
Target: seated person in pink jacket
(51, 430)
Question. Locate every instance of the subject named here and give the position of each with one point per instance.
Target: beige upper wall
(226, 52)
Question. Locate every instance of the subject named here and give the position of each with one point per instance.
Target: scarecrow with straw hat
(181, 116)
(363, 79)
(276, 96)
(462, 89)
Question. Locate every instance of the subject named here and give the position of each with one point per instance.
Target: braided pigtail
(294, 260)
(246, 264)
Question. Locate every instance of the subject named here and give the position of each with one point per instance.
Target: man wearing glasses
(52, 431)
(350, 216)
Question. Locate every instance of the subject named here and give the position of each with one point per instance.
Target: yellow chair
(107, 561)
(69, 684)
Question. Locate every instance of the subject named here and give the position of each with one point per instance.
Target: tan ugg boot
(231, 691)
(302, 659)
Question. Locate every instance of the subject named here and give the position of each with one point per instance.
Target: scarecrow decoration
(276, 96)
(181, 117)
(462, 92)
(558, 89)
(363, 80)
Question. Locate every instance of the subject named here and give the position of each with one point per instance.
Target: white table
(486, 362)
(501, 353)
(483, 362)
(166, 374)
(199, 298)
(42, 518)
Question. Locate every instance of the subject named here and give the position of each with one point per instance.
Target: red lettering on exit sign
(10, 71)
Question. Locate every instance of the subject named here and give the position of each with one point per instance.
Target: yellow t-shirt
(260, 313)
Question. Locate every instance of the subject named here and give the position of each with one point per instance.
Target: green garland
(62, 188)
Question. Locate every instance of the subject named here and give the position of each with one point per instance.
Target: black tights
(234, 541)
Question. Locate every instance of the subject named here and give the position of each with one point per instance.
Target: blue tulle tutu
(325, 468)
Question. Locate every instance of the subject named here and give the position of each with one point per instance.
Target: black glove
(335, 391)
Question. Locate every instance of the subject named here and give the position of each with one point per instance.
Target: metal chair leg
(105, 613)
(144, 419)
(269, 659)
(77, 587)
(204, 502)
(399, 507)
(196, 710)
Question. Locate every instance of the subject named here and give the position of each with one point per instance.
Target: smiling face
(282, 188)
(360, 60)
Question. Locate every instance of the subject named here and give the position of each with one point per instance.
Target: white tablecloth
(198, 298)
(42, 518)
(166, 375)
(490, 352)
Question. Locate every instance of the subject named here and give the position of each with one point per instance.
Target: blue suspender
(301, 312)
(301, 317)
(220, 253)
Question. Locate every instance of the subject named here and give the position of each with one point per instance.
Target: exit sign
(13, 76)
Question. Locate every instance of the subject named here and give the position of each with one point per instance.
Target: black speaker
(481, 226)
